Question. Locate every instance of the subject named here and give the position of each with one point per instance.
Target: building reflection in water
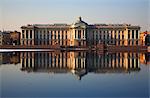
(9, 58)
(78, 63)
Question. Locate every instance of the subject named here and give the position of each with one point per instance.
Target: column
(30, 39)
(33, 37)
(56, 35)
(84, 34)
(120, 38)
(60, 36)
(129, 37)
(45, 39)
(132, 38)
(117, 37)
(76, 34)
(135, 37)
(53, 37)
(113, 36)
(29, 35)
(138, 37)
(39, 37)
(64, 36)
(109, 35)
(22, 39)
(25, 41)
(81, 34)
(84, 37)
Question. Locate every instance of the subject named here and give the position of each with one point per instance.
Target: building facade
(80, 34)
(5, 38)
(145, 38)
(15, 37)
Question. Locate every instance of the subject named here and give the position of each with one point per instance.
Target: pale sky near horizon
(15, 13)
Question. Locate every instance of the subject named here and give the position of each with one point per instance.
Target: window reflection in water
(78, 63)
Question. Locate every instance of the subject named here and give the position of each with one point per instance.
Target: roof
(113, 26)
(80, 23)
(46, 26)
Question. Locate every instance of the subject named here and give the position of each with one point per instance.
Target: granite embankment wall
(101, 48)
(126, 48)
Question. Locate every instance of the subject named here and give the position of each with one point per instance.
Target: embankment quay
(95, 48)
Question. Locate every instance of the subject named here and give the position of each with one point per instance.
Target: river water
(74, 74)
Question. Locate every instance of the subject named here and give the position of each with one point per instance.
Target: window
(54, 34)
(47, 35)
(128, 34)
(30, 33)
(51, 35)
(26, 33)
(66, 34)
(30, 42)
(132, 34)
(100, 35)
(122, 34)
(111, 35)
(132, 42)
(62, 34)
(79, 43)
(36, 36)
(128, 42)
(119, 35)
(44, 42)
(96, 38)
(93, 35)
(40, 41)
(96, 35)
(115, 34)
(44, 36)
(23, 42)
(104, 35)
(122, 42)
(22, 33)
(75, 34)
(107, 34)
(40, 35)
(58, 34)
(136, 34)
(79, 34)
(136, 42)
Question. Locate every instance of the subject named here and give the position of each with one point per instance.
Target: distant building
(80, 34)
(145, 38)
(15, 37)
(5, 38)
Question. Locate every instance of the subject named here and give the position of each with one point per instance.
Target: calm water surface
(74, 74)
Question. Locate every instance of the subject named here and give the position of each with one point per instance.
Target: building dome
(79, 23)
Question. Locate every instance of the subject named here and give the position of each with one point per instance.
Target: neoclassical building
(80, 33)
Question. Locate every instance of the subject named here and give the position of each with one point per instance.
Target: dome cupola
(79, 23)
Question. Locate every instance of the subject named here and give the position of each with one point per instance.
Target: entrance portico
(79, 33)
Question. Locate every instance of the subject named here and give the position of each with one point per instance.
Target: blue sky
(15, 13)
